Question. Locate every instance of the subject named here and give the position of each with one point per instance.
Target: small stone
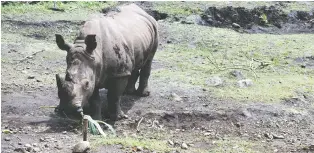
(214, 81)
(311, 147)
(35, 144)
(20, 149)
(81, 147)
(139, 148)
(46, 145)
(28, 67)
(245, 83)
(238, 74)
(36, 149)
(38, 80)
(235, 25)
(269, 136)
(190, 144)
(64, 132)
(7, 139)
(42, 140)
(59, 147)
(175, 97)
(207, 134)
(20, 143)
(184, 146)
(170, 142)
(278, 136)
(28, 147)
(31, 77)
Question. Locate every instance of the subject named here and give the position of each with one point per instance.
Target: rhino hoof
(143, 94)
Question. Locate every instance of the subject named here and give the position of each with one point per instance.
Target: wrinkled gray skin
(110, 52)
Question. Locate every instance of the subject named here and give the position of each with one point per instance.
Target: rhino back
(124, 41)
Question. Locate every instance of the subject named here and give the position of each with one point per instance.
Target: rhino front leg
(96, 105)
(130, 88)
(115, 90)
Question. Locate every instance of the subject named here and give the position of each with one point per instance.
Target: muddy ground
(183, 114)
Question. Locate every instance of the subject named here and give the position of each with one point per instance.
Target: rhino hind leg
(116, 88)
(130, 88)
(143, 90)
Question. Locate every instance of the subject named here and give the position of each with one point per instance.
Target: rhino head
(75, 89)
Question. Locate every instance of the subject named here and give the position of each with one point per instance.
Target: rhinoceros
(111, 51)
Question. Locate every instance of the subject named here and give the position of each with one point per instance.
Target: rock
(246, 113)
(175, 97)
(278, 136)
(59, 147)
(28, 147)
(139, 148)
(81, 147)
(184, 146)
(311, 147)
(42, 140)
(238, 74)
(38, 80)
(46, 145)
(36, 149)
(170, 142)
(35, 145)
(21, 150)
(269, 136)
(214, 81)
(235, 25)
(207, 134)
(28, 67)
(20, 143)
(7, 139)
(64, 132)
(31, 77)
(245, 83)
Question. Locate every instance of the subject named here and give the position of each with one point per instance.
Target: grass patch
(126, 142)
(234, 145)
(188, 61)
(44, 7)
(178, 8)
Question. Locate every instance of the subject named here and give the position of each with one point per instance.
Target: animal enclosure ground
(216, 89)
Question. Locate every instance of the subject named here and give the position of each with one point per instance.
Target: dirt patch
(260, 19)
(196, 118)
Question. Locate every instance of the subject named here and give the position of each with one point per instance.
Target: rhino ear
(91, 43)
(61, 44)
(59, 81)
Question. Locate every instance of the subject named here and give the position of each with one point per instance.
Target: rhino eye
(75, 62)
(68, 77)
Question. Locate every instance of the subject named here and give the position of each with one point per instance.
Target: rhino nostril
(79, 109)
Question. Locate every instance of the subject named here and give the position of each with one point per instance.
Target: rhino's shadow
(127, 101)
(56, 123)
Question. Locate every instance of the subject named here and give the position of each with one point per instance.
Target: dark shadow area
(56, 9)
(25, 24)
(58, 123)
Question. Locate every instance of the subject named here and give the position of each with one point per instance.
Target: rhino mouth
(65, 112)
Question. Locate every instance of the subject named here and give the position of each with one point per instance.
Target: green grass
(44, 7)
(178, 8)
(126, 142)
(234, 145)
(227, 50)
